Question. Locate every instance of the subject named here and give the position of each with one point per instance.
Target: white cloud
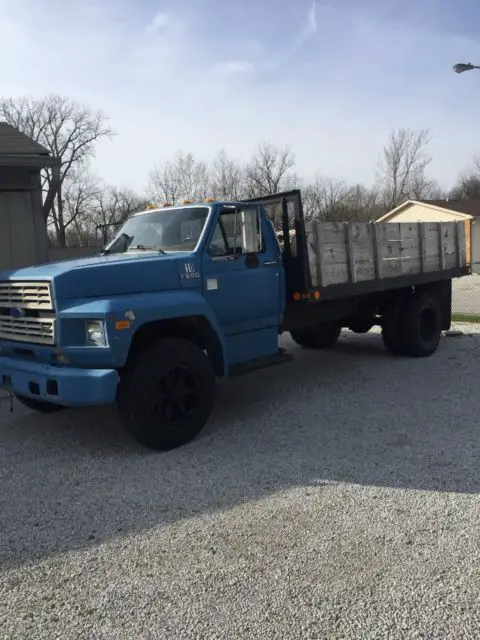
(159, 22)
(308, 30)
(312, 19)
(233, 67)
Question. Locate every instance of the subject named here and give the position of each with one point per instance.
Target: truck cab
(181, 294)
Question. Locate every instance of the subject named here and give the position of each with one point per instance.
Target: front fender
(141, 309)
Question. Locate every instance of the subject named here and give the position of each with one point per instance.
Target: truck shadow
(351, 415)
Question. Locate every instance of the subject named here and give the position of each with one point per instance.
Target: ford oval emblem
(16, 312)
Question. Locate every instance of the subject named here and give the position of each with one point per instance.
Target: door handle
(270, 263)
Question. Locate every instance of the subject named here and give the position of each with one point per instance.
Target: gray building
(23, 229)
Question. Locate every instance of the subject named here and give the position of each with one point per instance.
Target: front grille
(37, 330)
(26, 295)
(27, 312)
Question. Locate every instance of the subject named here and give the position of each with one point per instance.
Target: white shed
(442, 211)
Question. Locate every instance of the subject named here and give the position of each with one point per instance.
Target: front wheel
(166, 393)
(319, 337)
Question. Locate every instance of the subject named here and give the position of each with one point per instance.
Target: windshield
(169, 230)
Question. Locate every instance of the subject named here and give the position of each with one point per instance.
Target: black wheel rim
(428, 325)
(177, 397)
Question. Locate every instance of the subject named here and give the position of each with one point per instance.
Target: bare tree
(192, 175)
(468, 183)
(184, 177)
(227, 179)
(111, 207)
(362, 204)
(402, 167)
(68, 130)
(432, 191)
(164, 183)
(466, 188)
(269, 171)
(80, 191)
(334, 200)
(325, 199)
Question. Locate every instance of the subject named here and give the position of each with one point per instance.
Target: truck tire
(319, 337)
(41, 406)
(392, 327)
(166, 393)
(422, 325)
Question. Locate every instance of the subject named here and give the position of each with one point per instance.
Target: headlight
(95, 330)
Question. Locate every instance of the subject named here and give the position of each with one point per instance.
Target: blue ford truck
(185, 294)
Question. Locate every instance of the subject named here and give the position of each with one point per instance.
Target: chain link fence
(466, 296)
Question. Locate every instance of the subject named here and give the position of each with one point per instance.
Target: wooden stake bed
(350, 253)
(342, 261)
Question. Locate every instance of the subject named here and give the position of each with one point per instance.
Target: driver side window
(218, 246)
(237, 232)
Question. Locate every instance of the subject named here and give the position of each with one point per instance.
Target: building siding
(22, 239)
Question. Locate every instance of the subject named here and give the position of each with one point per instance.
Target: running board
(281, 357)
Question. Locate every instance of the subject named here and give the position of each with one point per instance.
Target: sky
(330, 79)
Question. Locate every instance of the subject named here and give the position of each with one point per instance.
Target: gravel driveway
(333, 497)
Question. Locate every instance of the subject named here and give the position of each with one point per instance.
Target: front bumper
(61, 385)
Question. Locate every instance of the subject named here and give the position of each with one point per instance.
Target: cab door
(241, 272)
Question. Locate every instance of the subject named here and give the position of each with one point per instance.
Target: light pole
(460, 67)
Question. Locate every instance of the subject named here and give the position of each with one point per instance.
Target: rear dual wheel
(412, 325)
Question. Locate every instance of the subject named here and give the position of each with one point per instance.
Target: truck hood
(109, 275)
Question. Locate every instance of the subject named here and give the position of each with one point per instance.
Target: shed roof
(466, 208)
(17, 149)
(470, 206)
(13, 141)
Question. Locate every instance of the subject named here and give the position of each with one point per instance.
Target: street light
(460, 67)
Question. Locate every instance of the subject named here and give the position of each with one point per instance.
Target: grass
(462, 317)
